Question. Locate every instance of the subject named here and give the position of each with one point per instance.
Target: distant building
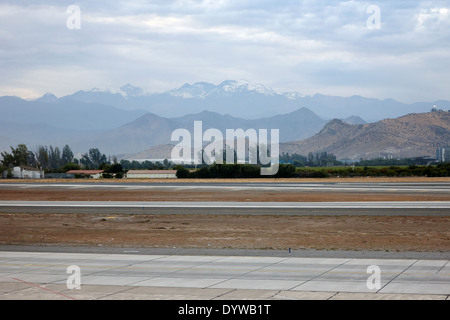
(443, 154)
(95, 174)
(151, 174)
(436, 109)
(25, 172)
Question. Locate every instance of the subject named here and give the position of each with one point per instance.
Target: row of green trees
(324, 159)
(290, 171)
(233, 171)
(321, 159)
(52, 159)
(147, 165)
(439, 170)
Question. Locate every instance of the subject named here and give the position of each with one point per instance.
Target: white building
(25, 172)
(152, 174)
(443, 154)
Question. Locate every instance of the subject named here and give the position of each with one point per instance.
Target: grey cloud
(156, 44)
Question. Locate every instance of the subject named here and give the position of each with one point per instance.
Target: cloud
(311, 46)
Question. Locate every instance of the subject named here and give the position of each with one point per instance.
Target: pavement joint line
(315, 277)
(400, 273)
(445, 264)
(129, 266)
(248, 271)
(175, 269)
(126, 288)
(336, 293)
(222, 294)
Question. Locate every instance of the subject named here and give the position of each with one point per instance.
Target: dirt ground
(397, 233)
(386, 233)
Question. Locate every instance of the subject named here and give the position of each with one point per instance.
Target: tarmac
(45, 275)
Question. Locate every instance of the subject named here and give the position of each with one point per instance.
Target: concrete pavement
(45, 275)
(406, 208)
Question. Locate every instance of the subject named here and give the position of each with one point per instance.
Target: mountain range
(131, 121)
(237, 98)
(412, 135)
(152, 130)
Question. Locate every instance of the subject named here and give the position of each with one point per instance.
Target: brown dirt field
(394, 233)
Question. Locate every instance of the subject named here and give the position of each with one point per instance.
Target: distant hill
(299, 124)
(354, 120)
(413, 135)
(154, 153)
(140, 134)
(64, 114)
(151, 130)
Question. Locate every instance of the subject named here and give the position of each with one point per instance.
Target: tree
(70, 166)
(42, 157)
(8, 159)
(20, 155)
(182, 172)
(17, 157)
(96, 157)
(126, 164)
(54, 156)
(86, 161)
(31, 159)
(67, 155)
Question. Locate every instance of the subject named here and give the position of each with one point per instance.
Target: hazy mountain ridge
(412, 135)
(131, 121)
(244, 99)
(64, 114)
(151, 130)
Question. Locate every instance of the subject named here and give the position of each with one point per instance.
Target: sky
(380, 49)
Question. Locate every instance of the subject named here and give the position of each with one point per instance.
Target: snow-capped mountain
(197, 90)
(242, 86)
(243, 99)
(131, 91)
(294, 95)
(201, 90)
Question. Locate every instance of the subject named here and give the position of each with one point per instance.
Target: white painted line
(256, 205)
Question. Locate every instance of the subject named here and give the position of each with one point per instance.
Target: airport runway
(396, 187)
(439, 208)
(46, 275)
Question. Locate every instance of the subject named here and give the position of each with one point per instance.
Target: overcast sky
(313, 46)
